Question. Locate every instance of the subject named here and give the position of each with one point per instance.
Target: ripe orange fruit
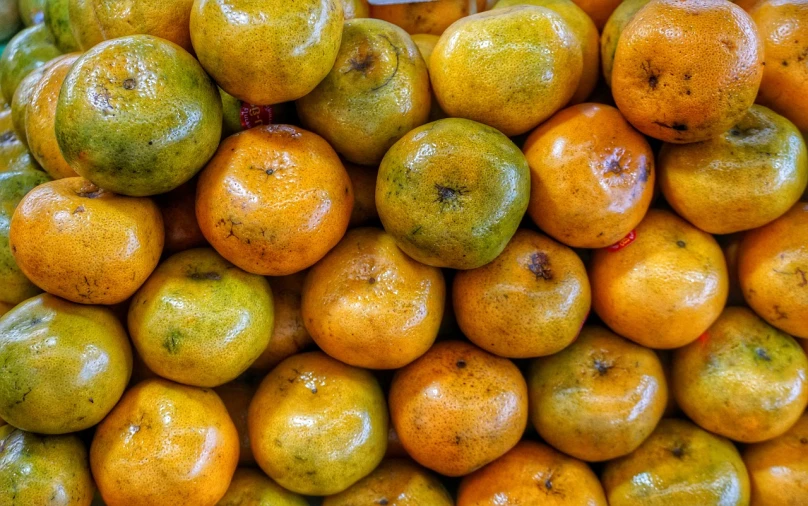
(687, 70)
(29, 49)
(663, 286)
(612, 30)
(236, 397)
(54, 224)
(274, 199)
(178, 208)
(485, 67)
(592, 176)
(165, 443)
(457, 408)
(424, 17)
(598, 10)
(363, 180)
(251, 487)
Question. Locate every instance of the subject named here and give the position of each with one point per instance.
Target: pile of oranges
(454, 252)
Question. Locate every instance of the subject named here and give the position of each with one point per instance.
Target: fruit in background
(783, 26)
(453, 192)
(5, 307)
(165, 443)
(742, 370)
(395, 450)
(238, 116)
(592, 176)
(598, 10)
(199, 320)
(773, 270)
(530, 301)
(344, 435)
(10, 21)
(748, 176)
(457, 408)
(363, 180)
(53, 225)
(426, 43)
(778, 470)
(251, 487)
(663, 286)
(236, 397)
(11, 147)
(281, 215)
(532, 473)
(57, 19)
(484, 67)
(377, 91)
(178, 208)
(679, 465)
(583, 29)
(44, 469)
(131, 132)
(40, 118)
(368, 304)
(29, 49)
(424, 17)
(355, 9)
(94, 21)
(32, 12)
(292, 45)
(612, 30)
(730, 245)
(65, 365)
(22, 97)
(687, 71)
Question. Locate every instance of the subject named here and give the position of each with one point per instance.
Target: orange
(32, 12)
(29, 49)
(363, 180)
(612, 30)
(200, 320)
(238, 116)
(598, 10)
(783, 27)
(22, 97)
(355, 9)
(267, 52)
(744, 178)
(426, 43)
(687, 70)
(236, 397)
(253, 488)
(458, 408)
(86, 244)
(425, 17)
(530, 301)
(396, 482)
(178, 208)
(318, 426)
(370, 305)
(679, 465)
(778, 470)
(165, 443)
(532, 473)
(745, 371)
(663, 286)
(773, 271)
(592, 176)
(485, 67)
(57, 19)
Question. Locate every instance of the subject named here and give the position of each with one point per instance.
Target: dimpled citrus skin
(85, 244)
(663, 289)
(678, 465)
(396, 482)
(592, 176)
(532, 473)
(26, 51)
(178, 208)
(611, 33)
(318, 426)
(363, 180)
(94, 21)
(783, 26)
(457, 408)
(377, 91)
(40, 119)
(200, 320)
(165, 443)
(584, 29)
(138, 115)
(267, 52)
(370, 305)
(22, 97)
(57, 19)
(599, 398)
(508, 68)
(274, 199)
(253, 488)
(427, 17)
(744, 178)
(43, 470)
(530, 301)
(64, 365)
(353, 9)
(32, 12)
(778, 469)
(687, 70)
(236, 397)
(452, 193)
(773, 270)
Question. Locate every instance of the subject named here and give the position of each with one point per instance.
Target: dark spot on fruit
(614, 167)
(129, 84)
(79, 209)
(269, 172)
(652, 75)
(383, 501)
(458, 439)
(172, 342)
(780, 314)
(91, 400)
(362, 62)
(803, 279)
(372, 280)
(784, 63)
(314, 390)
(540, 266)
(151, 143)
(461, 364)
(652, 82)
(681, 244)
(206, 276)
(90, 193)
(448, 196)
(804, 440)
(679, 127)
(602, 367)
(761, 353)
(687, 92)
(688, 77)
(678, 451)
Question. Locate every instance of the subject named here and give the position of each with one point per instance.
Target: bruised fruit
(251, 487)
(363, 180)
(57, 19)
(29, 49)
(424, 17)
(611, 33)
(236, 396)
(178, 208)
(65, 365)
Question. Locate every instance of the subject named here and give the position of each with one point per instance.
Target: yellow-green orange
(426, 43)
(57, 19)
(611, 33)
(425, 17)
(26, 51)
(251, 487)
(22, 97)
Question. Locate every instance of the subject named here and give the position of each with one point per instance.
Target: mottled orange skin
(592, 176)
(457, 408)
(531, 474)
(85, 244)
(598, 10)
(530, 301)
(778, 469)
(427, 17)
(664, 289)
(679, 465)
(773, 271)
(251, 487)
(165, 443)
(178, 208)
(687, 70)
(236, 397)
(274, 199)
(363, 180)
